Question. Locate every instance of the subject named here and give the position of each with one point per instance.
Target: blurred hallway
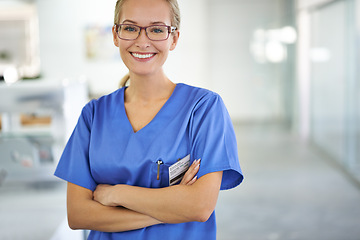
(290, 191)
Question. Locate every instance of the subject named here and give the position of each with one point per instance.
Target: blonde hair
(175, 22)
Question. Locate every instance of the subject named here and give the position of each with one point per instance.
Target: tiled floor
(289, 192)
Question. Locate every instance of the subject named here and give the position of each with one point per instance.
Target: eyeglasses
(154, 32)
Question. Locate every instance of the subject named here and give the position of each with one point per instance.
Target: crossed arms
(122, 207)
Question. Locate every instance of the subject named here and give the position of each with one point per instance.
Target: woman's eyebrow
(130, 21)
(152, 23)
(158, 23)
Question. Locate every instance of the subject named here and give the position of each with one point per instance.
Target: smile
(143, 56)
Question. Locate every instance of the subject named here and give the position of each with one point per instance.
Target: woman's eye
(130, 29)
(157, 30)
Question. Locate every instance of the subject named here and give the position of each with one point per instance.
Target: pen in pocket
(159, 162)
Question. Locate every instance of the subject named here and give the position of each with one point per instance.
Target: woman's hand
(190, 175)
(103, 194)
(86, 213)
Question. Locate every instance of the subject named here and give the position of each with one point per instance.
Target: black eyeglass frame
(171, 29)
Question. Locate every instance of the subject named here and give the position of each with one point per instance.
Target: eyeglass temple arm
(116, 27)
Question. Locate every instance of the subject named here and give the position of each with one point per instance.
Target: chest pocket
(159, 174)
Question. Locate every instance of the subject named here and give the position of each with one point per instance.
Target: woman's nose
(143, 40)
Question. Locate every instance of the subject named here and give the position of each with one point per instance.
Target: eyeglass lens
(131, 32)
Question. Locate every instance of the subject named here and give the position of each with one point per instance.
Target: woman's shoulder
(200, 99)
(197, 93)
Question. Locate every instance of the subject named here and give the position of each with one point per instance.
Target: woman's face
(144, 56)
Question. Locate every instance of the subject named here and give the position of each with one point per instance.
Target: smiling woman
(133, 161)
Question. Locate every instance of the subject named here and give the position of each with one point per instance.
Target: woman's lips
(143, 56)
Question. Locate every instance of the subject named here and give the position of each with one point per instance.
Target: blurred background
(286, 69)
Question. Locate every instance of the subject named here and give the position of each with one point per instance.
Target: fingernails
(196, 161)
(197, 166)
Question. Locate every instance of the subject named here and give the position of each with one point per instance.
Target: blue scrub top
(104, 149)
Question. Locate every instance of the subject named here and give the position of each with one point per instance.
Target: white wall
(252, 91)
(305, 4)
(188, 63)
(62, 42)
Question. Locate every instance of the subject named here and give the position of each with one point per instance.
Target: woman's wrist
(117, 194)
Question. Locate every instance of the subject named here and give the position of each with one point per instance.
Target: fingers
(190, 175)
(192, 181)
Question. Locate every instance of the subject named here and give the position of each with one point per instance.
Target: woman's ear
(175, 37)
(115, 36)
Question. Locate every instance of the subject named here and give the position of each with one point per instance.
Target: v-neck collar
(155, 118)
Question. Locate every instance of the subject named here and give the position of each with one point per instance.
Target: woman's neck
(149, 88)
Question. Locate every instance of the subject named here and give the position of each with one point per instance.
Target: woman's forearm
(85, 213)
(171, 205)
(175, 204)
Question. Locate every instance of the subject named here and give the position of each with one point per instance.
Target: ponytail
(124, 80)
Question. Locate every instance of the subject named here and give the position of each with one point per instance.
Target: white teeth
(137, 55)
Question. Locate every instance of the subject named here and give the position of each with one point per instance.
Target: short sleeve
(74, 164)
(214, 142)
